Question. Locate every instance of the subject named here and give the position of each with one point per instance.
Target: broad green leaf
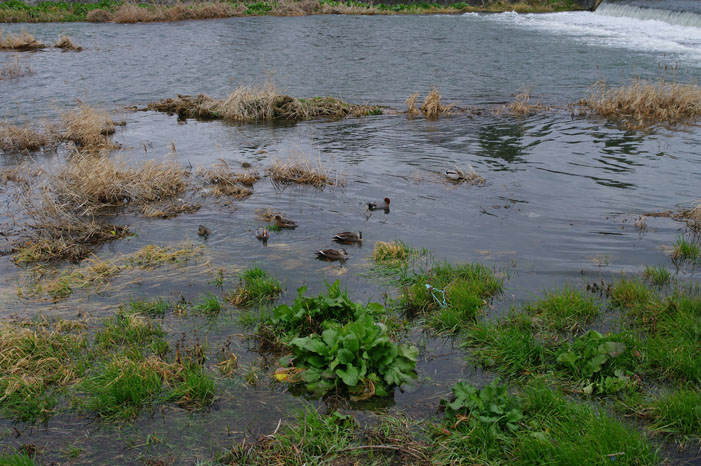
(612, 348)
(345, 356)
(349, 376)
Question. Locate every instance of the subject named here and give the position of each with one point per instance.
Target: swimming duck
(453, 175)
(348, 237)
(332, 254)
(203, 231)
(284, 223)
(384, 204)
(262, 234)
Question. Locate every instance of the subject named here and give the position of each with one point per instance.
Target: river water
(561, 196)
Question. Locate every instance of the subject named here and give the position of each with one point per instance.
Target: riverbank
(16, 11)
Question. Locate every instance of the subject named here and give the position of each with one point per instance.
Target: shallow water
(559, 205)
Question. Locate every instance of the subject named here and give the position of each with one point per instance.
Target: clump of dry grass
(264, 102)
(522, 106)
(266, 214)
(432, 107)
(153, 255)
(468, 176)
(298, 170)
(131, 13)
(94, 272)
(225, 182)
(390, 251)
(410, 102)
(89, 184)
(169, 209)
(21, 41)
(14, 138)
(89, 128)
(64, 42)
(642, 103)
(14, 69)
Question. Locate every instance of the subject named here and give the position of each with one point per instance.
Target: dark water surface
(561, 197)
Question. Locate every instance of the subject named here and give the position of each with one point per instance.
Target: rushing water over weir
(680, 12)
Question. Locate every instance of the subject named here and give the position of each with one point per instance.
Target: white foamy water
(679, 17)
(681, 43)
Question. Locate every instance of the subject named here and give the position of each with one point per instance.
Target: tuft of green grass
(17, 459)
(151, 308)
(627, 293)
(130, 330)
(256, 287)
(678, 412)
(467, 289)
(564, 310)
(686, 251)
(273, 227)
(196, 388)
(209, 305)
(658, 276)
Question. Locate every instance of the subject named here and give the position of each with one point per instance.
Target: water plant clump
(25, 138)
(223, 181)
(255, 287)
(130, 330)
(149, 308)
(21, 41)
(687, 251)
(209, 305)
(431, 107)
(658, 276)
(13, 70)
(300, 170)
(64, 42)
(678, 412)
(567, 309)
(641, 103)
(357, 358)
(265, 102)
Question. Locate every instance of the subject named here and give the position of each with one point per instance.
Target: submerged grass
(522, 106)
(300, 170)
(678, 412)
(255, 287)
(64, 42)
(565, 310)
(225, 182)
(89, 128)
(641, 104)
(15, 138)
(37, 359)
(12, 70)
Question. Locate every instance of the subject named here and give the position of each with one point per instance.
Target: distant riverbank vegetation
(16, 11)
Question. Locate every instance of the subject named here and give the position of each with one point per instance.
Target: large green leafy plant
(601, 362)
(307, 314)
(492, 407)
(357, 358)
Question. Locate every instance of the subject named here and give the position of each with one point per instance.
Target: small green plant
(492, 405)
(255, 287)
(152, 308)
(129, 330)
(273, 227)
(601, 362)
(686, 251)
(357, 358)
(209, 305)
(17, 459)
(658, 276)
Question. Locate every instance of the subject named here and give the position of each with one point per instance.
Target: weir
(679, 12)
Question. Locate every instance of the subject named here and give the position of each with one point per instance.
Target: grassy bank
(16, 11)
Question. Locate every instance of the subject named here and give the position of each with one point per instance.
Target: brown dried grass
(642, 103)
(21, 41)
(64, 42)
(469, 176)
(132, 13)
(15, 138)
(14, 69)
(226, 182)
(89, 128)
(89, 184)
(264, 102)
(432, 107)
(299, 170)
(410, 102)
(522, 106)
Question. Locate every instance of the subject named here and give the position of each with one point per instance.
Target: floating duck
(283, 222)
(203, 231)
(332, 254)
(348, 237)
(384, 204)
(262, 234)
(453, 175)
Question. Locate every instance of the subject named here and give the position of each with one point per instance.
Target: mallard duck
(453, 175)
(332, 254)
(348, 237)
(384, 204)
(262, 234)
(203, 231)
(283, 222)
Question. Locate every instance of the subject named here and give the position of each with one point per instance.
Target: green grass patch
(658, 276)
(454, 296)
(133, 331)
(209, 305)
(38, 359)
(17, 459)
(565, 310)
(551, 430)
(678, 412)
(255, 288)
(686, 252)
(150, 308)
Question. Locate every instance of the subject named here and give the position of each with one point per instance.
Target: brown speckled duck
(348, 237)
(283, 222)
(332, 254)
(203, 231)
(262, 234)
